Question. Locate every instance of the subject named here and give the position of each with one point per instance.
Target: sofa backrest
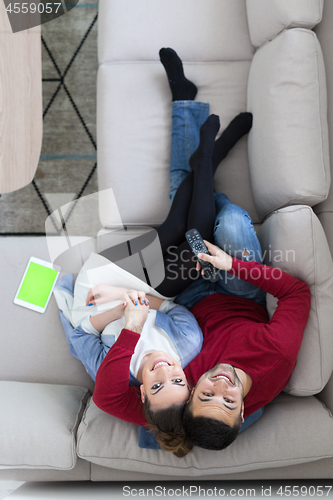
(325, 35)
(288, 143)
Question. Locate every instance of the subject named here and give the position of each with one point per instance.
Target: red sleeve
(271, 279)
(292, 312)
(112, 393)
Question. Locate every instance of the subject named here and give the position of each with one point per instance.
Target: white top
(96, 270)
(153, 338)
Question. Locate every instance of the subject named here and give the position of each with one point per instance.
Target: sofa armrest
(267, 19)
(38, 424)
(293, 240)
(326, 395)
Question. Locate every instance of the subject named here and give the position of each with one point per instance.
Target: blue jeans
(187, 118)
(234, 231)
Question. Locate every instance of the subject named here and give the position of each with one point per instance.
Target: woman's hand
(219, 258)
(100, 294)
(137, 297)
(100, 321)
(135, 312)
(118, 312)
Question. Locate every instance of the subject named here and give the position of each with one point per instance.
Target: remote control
(197, 245)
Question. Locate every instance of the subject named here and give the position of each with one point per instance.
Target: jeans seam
(187, 132)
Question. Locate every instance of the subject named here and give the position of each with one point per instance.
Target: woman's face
(163, 381)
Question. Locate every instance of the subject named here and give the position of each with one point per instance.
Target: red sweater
(236, 331)
(112, 393)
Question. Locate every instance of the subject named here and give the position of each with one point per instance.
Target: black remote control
(197, 245)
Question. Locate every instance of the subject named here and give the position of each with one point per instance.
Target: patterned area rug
(67, 166)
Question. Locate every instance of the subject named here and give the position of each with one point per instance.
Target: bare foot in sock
(182, 89)
(238, 127)
(208, 132)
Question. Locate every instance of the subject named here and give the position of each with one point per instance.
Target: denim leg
(187, 118)
(235, 234)
(197, 290)
(90, 349)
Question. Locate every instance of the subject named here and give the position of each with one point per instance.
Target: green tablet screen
(37, 284)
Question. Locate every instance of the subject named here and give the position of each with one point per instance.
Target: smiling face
(163, 381)
(219, 394)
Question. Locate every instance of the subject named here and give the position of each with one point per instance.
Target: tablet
(37, 285)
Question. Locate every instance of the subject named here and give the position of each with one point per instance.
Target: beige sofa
(242, 55)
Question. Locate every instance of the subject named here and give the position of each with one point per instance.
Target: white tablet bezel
(28, 305)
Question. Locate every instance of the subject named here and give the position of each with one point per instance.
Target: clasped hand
(100, 294)
(136, 310)
(135, 304)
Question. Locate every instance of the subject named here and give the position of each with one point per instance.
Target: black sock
(182, 200)
(206, 146)
(182, 89)
(238, 127)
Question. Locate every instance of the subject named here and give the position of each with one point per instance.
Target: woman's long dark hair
(168, 426)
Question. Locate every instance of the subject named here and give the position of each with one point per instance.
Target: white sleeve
(88, 328)
(166, 306)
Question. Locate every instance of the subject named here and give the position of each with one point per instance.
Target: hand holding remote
(218, 257)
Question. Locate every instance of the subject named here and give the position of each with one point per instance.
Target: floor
(306, 489)
(63, 491)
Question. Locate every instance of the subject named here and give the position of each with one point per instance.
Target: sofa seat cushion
(293, 240)
(134, 136)
(38, 424)
(288, 143)
(268, 18)
(198, 33)
(36, 340)
(275, 440)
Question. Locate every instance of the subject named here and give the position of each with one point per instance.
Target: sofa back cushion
(293, 240)
(288, 143)
(129, 30)
(275, 440)
(267, 18)
(324, 33)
